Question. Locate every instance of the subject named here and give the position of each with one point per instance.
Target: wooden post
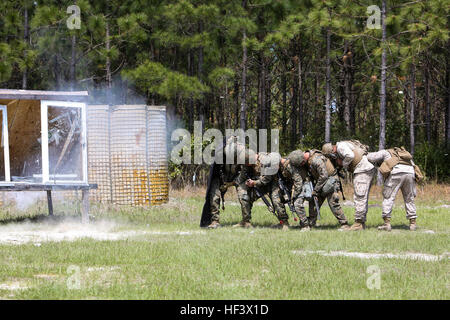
(50, 203)
(85, 206)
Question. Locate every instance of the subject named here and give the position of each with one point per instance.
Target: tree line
(317, 70)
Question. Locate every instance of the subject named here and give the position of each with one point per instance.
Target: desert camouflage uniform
(264, 173)
(363, 174)
(318, 169)
(295, 177)
(401, 177)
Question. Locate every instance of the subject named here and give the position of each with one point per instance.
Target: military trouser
(215, 198)
(246, 198)
(333, 201)
(395, 182)
(361, 184)
(300, 209)
(277, 201)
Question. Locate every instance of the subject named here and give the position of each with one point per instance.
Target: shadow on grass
(40, 218)
(274, 226)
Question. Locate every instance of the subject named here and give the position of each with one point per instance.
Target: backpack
(401, 156)
(398, 155)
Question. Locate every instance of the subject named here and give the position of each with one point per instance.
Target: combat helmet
(296, 158)
(327, 149)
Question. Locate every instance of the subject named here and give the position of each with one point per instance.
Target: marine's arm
(377, 158)
(319, 167)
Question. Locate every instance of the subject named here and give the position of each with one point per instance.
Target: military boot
(358, 225)
(304, 226)
(344, 227)
(386, 226)
(412, 224)
(214, 225)
(240, 224)
(285, 225)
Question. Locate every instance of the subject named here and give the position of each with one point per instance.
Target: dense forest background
(317, 70)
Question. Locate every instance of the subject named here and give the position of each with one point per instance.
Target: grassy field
(161, 253)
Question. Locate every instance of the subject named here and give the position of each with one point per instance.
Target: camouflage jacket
(317, 168)
(263, 172)
(230, 172)
(294, 177)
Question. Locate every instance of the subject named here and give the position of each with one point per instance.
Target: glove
(314, 194)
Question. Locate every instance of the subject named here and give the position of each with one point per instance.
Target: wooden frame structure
(22, 101)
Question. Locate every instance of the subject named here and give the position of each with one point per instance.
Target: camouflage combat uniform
(264, 173)
(401, 177)
(355, 161)
(326, 187)
(219, 184)
(295, 177)
(226, 176)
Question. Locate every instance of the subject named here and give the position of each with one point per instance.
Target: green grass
(227, 263)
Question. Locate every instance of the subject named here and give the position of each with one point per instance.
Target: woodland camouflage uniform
(219, 184)
(264, 173)
(226, 177)
(326, 186)
(295, 176)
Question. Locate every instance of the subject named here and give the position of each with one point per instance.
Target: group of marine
(312, 175)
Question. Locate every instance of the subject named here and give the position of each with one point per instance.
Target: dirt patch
(363, 255)
(37, 233)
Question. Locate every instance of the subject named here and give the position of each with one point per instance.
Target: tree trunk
(294, 113)
(263, 112)
(26, 40)
(227, 108)
(347, 87)
(201, 106)
(73, 62)
(300, 93)
(427, 102)
(243, 112)
(328, 93)
(382, 140)
(283, 112)
(108, 67)
(316, 94)
(412, 108)
(190, 103)
(236, 104)
(268, 100)
(259, 102)
(447, 127)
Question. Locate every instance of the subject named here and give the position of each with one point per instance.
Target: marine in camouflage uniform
(398, 176)
(225, 177)
(326, 186)
(351, 156)
(263, 175)
(219, 187)
(295, 177)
